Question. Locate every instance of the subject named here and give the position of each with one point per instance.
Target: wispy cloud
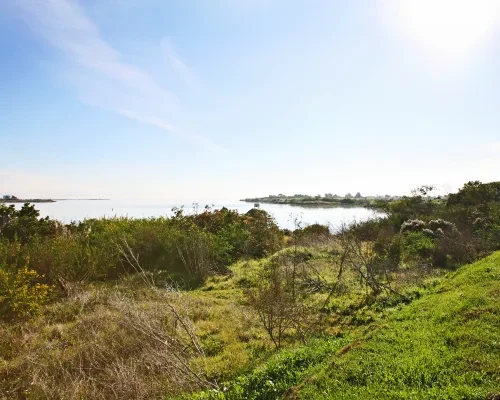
(177, 64)
(98, 71)
(163, 125)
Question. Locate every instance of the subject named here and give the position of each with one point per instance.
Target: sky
(224, 99)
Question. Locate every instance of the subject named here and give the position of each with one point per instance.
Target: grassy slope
(443, 346)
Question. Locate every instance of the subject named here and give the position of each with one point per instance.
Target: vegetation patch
(277, 376)
(225, 305)
(443, 346)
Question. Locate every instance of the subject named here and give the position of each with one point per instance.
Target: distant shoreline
(15, 201)
(81, 199)
(27, 201)
(310, 201)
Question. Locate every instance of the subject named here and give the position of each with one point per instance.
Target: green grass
(278, 375)
(445, 345)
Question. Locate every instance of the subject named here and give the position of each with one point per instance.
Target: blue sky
(222, 99)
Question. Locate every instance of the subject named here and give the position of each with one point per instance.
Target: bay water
(286, 216)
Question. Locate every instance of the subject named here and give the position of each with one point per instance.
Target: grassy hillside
(220, 305)
(444, 346)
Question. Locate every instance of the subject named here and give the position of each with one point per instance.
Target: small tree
(279, 298)
(274, 307)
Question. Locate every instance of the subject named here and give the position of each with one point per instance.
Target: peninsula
(16, 200)
(328, 200)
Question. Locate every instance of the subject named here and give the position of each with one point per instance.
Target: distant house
(9, 197)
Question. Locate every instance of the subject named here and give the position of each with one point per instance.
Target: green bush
(315, 230)
(388, 250)
(186, 248)
(417, 248)
(21, 294)
(24, 225)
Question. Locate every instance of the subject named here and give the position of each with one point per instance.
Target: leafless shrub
(280, 297)
(276, 301)
(360, 257)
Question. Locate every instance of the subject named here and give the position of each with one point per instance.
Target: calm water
(76, 210)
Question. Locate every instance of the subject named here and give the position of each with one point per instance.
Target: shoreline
(311, 203)
(17, 201)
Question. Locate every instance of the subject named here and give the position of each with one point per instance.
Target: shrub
(279, 298)
(413, 225)
(475, 193)
(370, 230)
(316, 230)
(24, 224)
(417, 248)
(388, 250)
(347, 201)
(444, 226)
(21, 293)
(264, 236)
(74, 258)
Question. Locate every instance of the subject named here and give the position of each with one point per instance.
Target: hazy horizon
(150, 99)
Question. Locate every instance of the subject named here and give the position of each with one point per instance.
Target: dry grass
(129, 341)
(98, 353)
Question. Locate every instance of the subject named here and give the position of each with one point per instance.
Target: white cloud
(98, 71)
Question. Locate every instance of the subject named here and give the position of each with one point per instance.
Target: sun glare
(448, 29)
